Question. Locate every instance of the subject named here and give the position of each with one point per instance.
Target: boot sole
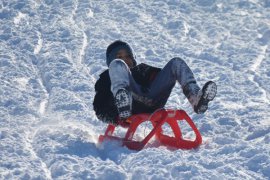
(209, 93)
(122, 102)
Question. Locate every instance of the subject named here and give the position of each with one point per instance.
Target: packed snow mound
(52, 52)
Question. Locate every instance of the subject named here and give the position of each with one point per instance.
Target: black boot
(206, 94)
(123, 101)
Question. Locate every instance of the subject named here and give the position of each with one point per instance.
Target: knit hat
(114, 47)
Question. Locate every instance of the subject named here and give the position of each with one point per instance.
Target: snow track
(255, 68)
(51, 53)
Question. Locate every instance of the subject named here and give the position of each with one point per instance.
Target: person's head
(120, 50)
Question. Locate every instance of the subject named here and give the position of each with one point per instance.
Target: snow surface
(52, 51)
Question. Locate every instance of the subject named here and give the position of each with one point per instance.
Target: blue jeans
(176, 70)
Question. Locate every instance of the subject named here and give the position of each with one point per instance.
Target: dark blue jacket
(104, 105)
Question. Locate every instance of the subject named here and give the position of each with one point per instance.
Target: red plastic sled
(157, 119)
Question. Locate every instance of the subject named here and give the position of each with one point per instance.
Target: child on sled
(126, 88)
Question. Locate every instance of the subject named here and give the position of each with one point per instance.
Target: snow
(51, 53)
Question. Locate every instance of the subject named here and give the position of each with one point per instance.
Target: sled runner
(157, 119)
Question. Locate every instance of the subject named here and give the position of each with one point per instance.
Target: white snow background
(52, 52)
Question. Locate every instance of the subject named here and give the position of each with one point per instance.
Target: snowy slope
(51, 53)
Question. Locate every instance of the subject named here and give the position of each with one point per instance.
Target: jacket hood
(114, 47)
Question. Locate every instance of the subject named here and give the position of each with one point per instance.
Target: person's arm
(145, 74)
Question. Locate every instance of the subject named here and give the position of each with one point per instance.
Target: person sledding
(125, 88)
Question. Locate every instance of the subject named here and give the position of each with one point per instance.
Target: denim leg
(175, 70)
(121, 77)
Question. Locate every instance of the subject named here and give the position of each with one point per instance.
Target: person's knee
(177, 60)
(116, 63)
